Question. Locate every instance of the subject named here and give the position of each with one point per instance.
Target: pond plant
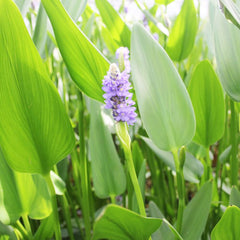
(119, 119)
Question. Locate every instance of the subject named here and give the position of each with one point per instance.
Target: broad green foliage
(117, 27)
(208, 102)
(228, 226)
(107, 172)
(119, 223)
(32, 117)
(165, 106)
(182, 36)
(196, 213)
(22, 193)
(227, 49)
(86, 65)
(192, 169)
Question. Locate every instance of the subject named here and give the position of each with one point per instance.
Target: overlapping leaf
(86, 65)
(32, 117)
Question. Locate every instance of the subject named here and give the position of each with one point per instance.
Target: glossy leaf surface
(209, 105)
(165, 106)
(86, 65)
(32, 117)
(183, 33)
(119, 223)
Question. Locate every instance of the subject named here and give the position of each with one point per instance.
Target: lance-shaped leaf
(208, 102)
(119, 223)
(227, 50)
(35, 130)
(165, 2)
(165, 106)
(235, 197)
(228, 226)
(183, 33)
(86, 65)
(22, 193)
(108, 174)
(116, 26)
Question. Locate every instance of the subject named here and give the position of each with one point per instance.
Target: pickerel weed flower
(117, 96)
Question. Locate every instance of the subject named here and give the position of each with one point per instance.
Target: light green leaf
(58, 183)
(23, 5)
(22, 193)
(228, 226)
(107, 171)
(86, 65)
(208, 102)
(32, 118)
(165, 2)
(74, 7)
(182, 36)
(116, 26)
(227, 50)
(46, 229)
(192, 169)
(165, 106)
(234, 197)
(119, 223)
(225, 155)
(196, 213)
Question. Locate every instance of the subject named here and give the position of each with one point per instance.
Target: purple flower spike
(117, 96)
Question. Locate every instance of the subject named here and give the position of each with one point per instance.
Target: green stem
(113, 199)
(234, 161)
(27, 225)
(54, 207)
(181, 190)
(21, 230)
(84, 170)
(209, 165)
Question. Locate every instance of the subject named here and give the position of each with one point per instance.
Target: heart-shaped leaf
(35, 129)
(165, 106)
(119, 223)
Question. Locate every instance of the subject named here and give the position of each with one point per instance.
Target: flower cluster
(117, 96)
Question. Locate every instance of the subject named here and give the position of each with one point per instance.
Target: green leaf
(165, 106)
(224, 156)
(23, 5)
(74, 7)
(196, 213)
(119, 223)
(46, 229)
(208, 102)
(116, 26)
(165, 2)
(33, 118)
(234, 197)
(107, 171)
(7, 231)
(86, 65)
(22, 193)
(192, 169)
(228, 226)
(58, 183)
(227, 50)
(182, 36)
(166, 231)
